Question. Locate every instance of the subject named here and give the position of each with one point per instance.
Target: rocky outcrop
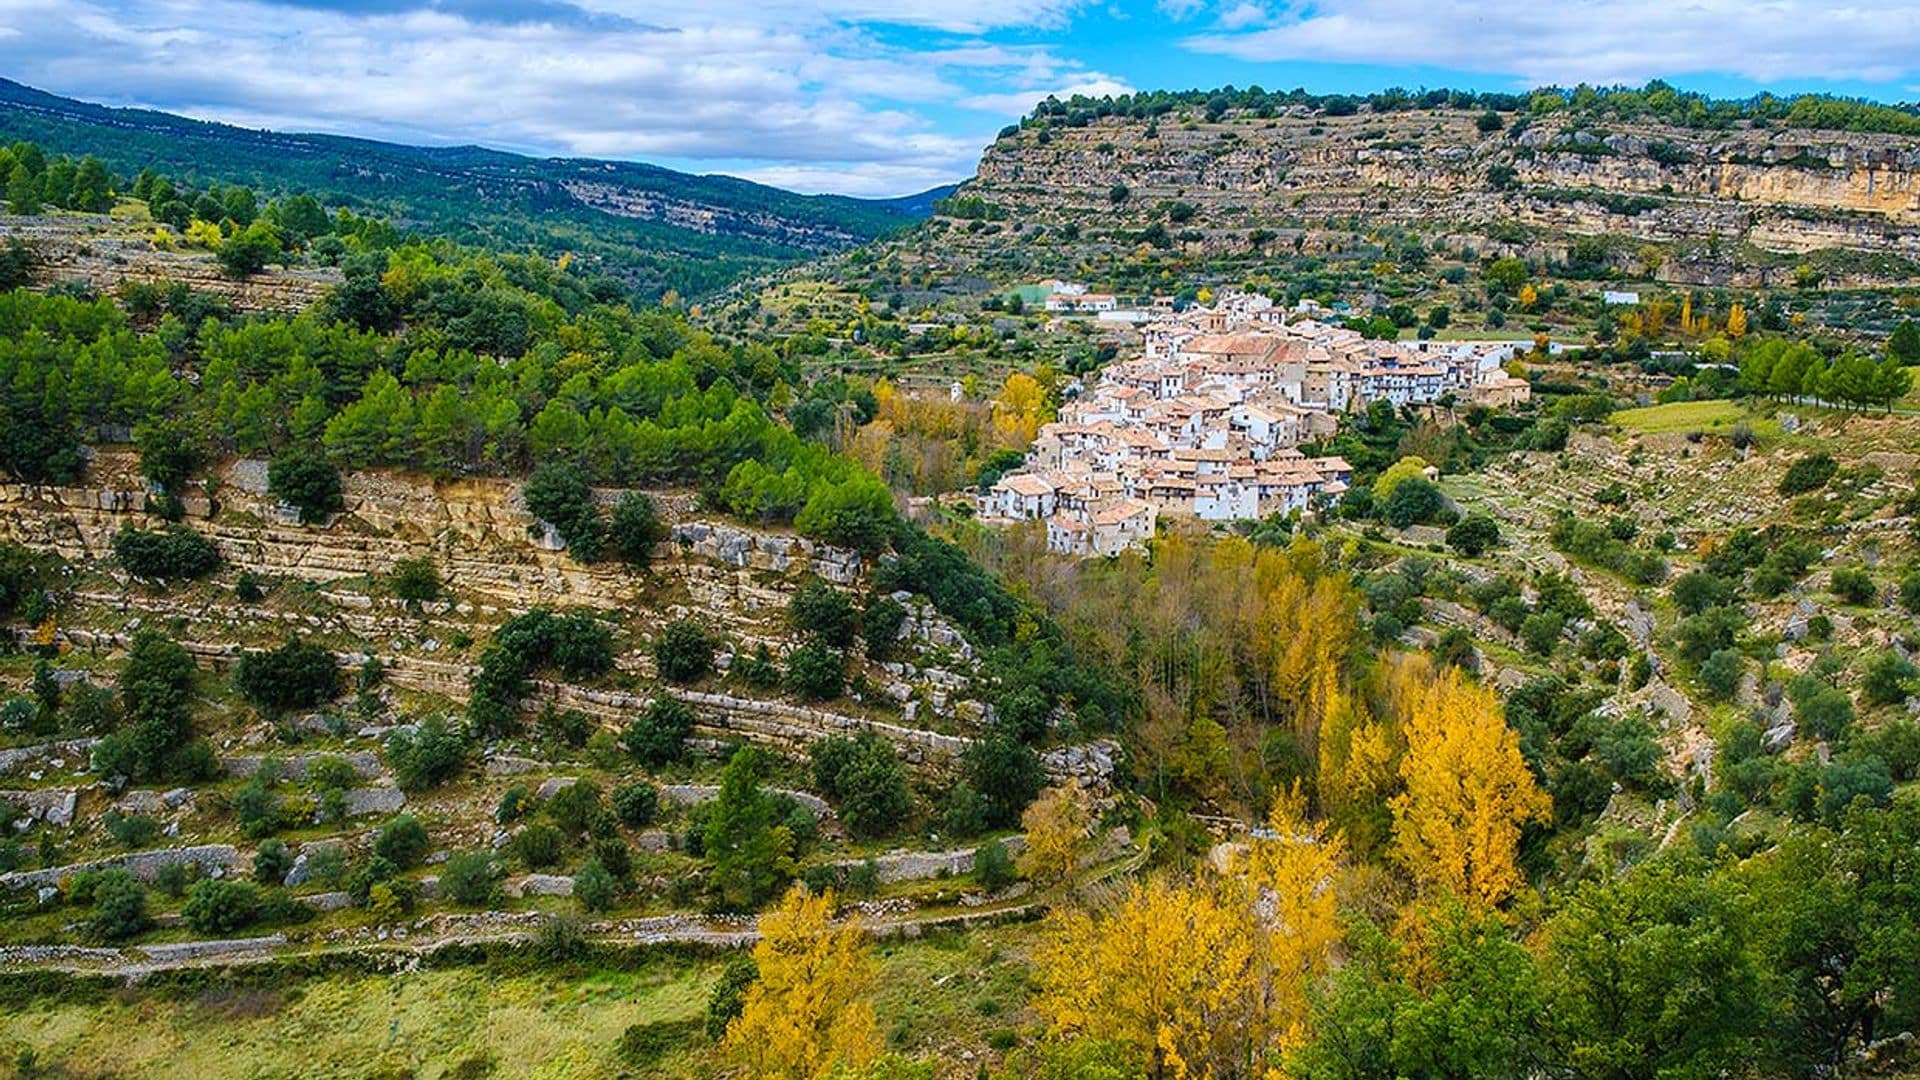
(213, 859)
(1737, 207)
(104, 255)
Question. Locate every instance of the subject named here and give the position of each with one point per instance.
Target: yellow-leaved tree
(1468, 792)
(808, 1014)
(1207, 978)
(1056, 825)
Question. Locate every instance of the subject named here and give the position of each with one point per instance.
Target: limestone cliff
(1741, 206)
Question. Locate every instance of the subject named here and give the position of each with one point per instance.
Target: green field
(938, 995)
(1715, 415)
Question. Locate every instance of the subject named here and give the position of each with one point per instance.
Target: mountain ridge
(658, 228)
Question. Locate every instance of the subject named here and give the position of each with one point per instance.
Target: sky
(883, 97)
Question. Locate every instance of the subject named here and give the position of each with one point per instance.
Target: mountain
(1747, 197)
(654, 227)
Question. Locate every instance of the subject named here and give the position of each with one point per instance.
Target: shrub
(636, 804)
(756, 669)
(1415, 501)
(580, 645)
(307, 482)
(729, 994)
(575, 807)
(256, 807)
(415, 581)
(865, 778)
(403, 842)
(1853, 585)
(1910, 592)
(1721, 673)
(963, 812)
(636, 528)
(1698, 590)
(683, 652)
(1888, 679)
(816, 672)
(822, 612)
(119, 907)
(1809, 473)
(222, 906)
(272, 862)
(659, 735)
(426, 755)
(538, 845)
(471, 878)
(594, 886)
(1541, 631)
(130, 831)
(880, 625)
(297, 675)
(993, 866)
(1476, 534)
(1007, 775)
(174, 553)
(514, 804)
(557, 493)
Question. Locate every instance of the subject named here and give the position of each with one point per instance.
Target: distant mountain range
(654, 227)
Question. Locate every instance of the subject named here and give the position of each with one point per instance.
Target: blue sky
(882, 97)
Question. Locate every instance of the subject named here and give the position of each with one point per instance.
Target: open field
(1717, 415)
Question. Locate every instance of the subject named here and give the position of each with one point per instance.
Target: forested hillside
(653, 227)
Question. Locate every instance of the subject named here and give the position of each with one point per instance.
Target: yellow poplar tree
(1171, 972)
(1468, 792)
(1292, 875)
(1529, 296)
(808, 1015)
(1737, 321)
(1056, 825)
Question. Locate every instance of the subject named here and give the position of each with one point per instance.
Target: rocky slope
(1743, 207)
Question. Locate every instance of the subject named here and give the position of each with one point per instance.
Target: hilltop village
(1207, 422)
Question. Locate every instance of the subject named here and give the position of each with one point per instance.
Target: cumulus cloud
(802, 92)
(1598, 41)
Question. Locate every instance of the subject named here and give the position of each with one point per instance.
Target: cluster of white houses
(1207, 423)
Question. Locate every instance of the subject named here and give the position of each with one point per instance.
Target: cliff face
(496, 563)
(1739, 206)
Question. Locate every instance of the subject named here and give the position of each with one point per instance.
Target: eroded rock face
(1783, 190)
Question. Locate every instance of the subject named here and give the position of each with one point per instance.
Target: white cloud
(1599, 41)
(1014, 104)
(798, 91)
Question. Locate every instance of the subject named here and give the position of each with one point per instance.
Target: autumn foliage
(808, 1014)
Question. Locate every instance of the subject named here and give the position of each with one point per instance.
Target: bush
(1415, 501)
(1007, 775)
(272, 862)
(1475, 535)
(1721, 674)
(729, 994)
(1541, 631)
(1809, 473)
(297, 675)
(415, 581)
(307, 482)
(636, 804)
(816, 672)
(880, 625)
(1852, 585)
(580, 645)
(636, 528)
(130, 831)
(1910, 592)
(594, 886)
(683, 652)
(756, 669)
(175, 553)
(1698, 590)
(222, 906)
(403, 842)
(426, 755)
(119, 907)
(864, 777)
(471, 878)
(514, 804)
(538, 845)
(575, 807)
(823, 613)
(256, 807)
(1888, 679)
(993, 866)
(557, 493)
(659, 736)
